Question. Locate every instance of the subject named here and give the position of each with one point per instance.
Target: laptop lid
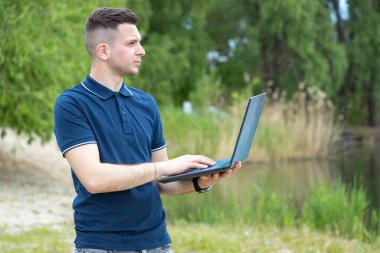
(248, 128)
(242, 146)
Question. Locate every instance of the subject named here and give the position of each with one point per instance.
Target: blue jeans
(163, 249)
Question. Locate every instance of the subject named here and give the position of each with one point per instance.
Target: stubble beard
(127, 71)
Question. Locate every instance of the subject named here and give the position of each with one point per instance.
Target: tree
(41, 53)
(283, 42)
(176, 48)
(362, 38)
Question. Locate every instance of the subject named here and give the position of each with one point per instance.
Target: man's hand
(206, 181)
(182, 164)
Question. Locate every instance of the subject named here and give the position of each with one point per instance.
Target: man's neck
(109, 80)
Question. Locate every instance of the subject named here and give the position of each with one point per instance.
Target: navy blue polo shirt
(127, 128)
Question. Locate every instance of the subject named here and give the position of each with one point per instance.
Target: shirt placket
(125, 117)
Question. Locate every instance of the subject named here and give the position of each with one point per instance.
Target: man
(112, 137)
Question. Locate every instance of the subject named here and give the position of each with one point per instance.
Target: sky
(343, 9)
(343, 6)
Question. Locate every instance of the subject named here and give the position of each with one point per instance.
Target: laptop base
(221, 166)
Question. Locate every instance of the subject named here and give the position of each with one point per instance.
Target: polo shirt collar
(96, 88)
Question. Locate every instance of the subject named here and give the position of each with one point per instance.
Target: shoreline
(362, 134)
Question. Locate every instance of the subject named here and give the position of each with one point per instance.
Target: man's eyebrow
(134, 39)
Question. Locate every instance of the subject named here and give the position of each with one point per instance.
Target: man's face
(126, 50)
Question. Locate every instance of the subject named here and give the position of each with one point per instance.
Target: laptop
(242, 147)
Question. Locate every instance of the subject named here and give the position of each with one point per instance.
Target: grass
(245, 238)
(200, 237)
(39, 239)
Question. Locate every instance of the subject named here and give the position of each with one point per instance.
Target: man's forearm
(176, 188)
(99, 177)
(115, 177)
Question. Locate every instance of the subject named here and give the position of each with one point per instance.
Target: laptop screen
(248, 128)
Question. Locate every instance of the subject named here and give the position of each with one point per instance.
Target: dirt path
(35, 184)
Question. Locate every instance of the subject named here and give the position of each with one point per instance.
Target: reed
(300, 128)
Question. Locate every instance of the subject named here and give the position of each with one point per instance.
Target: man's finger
(205, 160)
(206, 177)
(237, 166)
(197, 165)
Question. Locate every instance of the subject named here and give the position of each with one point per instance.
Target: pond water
(283, 186)
(354, 164)
(361, 162)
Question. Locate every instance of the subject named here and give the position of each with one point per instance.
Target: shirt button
(123, 113)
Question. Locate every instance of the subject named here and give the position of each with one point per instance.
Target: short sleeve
(71, 127)
(158, 140)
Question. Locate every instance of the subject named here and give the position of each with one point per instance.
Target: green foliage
(363, 49)
(176, 48)
(335, 208)
(41, 53)
(206, 92)
(25, 77)
(286, 42)
(272, 209)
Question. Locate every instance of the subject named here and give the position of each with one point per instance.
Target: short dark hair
(106, 19)
(110, 18)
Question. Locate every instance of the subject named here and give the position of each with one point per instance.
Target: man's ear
(103, 51)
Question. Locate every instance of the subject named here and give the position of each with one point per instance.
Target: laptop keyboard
(224, 162)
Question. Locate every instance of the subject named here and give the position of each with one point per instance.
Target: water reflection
(358, 165)
(362, 164)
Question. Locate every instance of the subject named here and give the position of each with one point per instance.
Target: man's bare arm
(99, 177)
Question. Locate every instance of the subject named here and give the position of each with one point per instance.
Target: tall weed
(337, 209)
(272, 209)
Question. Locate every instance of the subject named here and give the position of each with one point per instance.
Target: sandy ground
(35, 184)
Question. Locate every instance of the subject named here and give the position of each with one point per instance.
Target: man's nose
(140, 51)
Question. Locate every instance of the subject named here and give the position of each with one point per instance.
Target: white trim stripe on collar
(130, 92)
(91, 91)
